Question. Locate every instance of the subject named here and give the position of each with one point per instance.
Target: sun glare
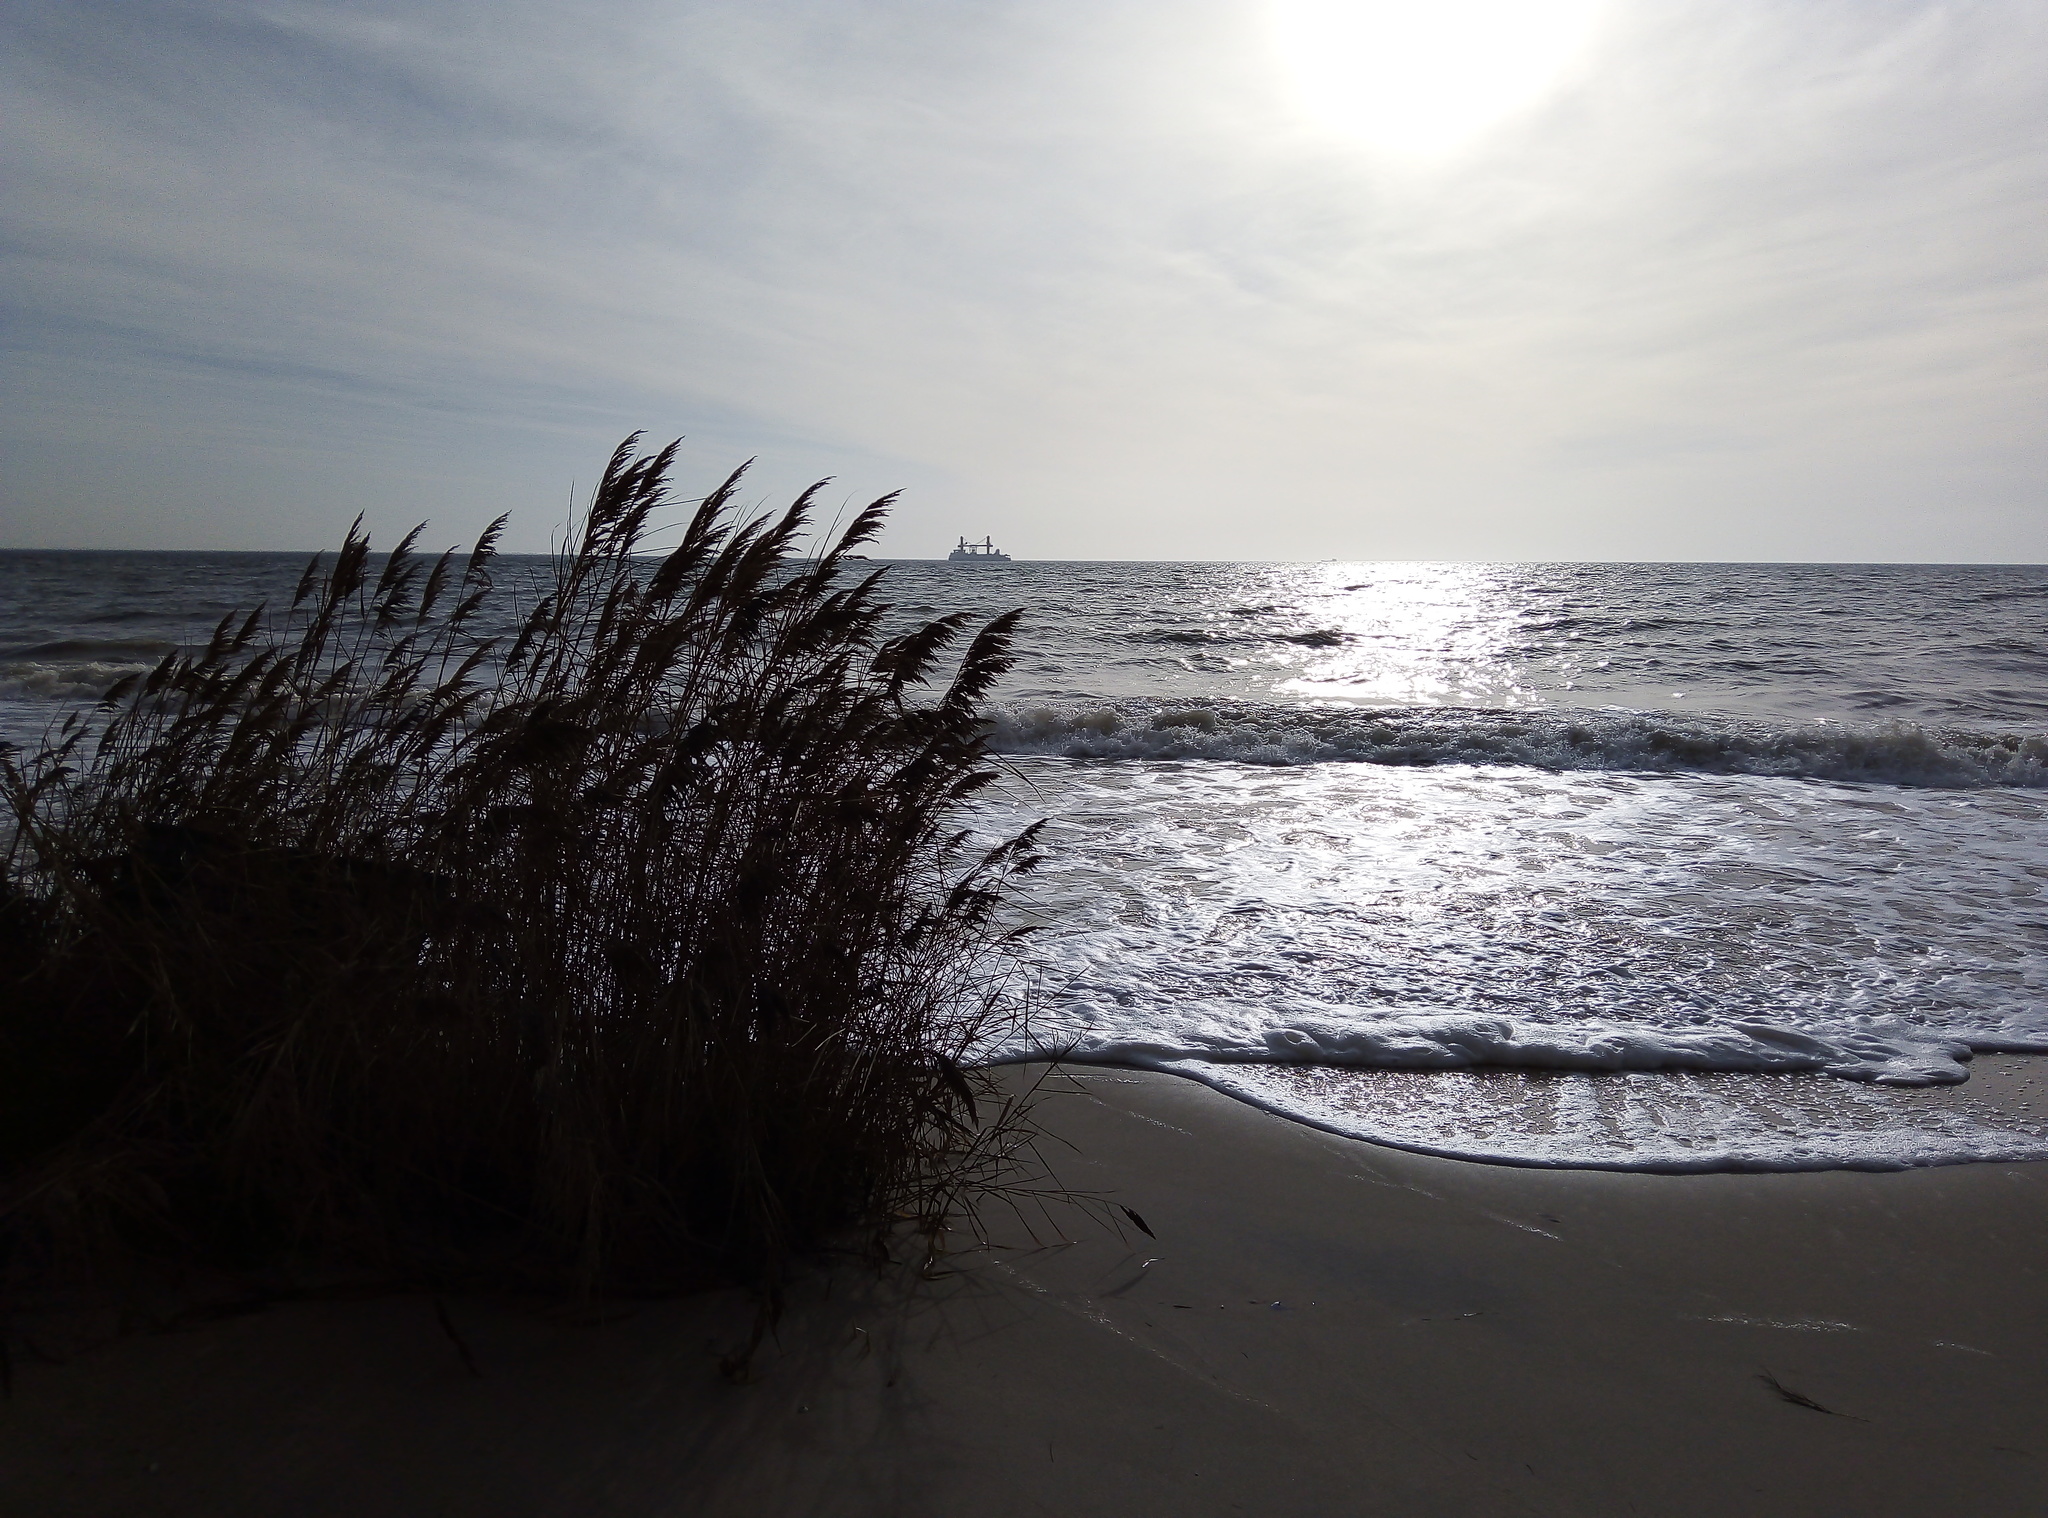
(1419, 77)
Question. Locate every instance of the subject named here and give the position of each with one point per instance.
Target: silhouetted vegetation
(636, 949)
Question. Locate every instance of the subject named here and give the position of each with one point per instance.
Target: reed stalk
(637, 949)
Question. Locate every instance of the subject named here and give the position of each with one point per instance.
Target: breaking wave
(1885, 1050)
(1892, 753)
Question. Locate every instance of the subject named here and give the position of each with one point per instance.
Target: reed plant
(637, 948)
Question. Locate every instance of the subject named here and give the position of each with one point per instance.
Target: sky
(1154, 279)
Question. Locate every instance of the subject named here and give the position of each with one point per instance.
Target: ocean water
(1669, 867)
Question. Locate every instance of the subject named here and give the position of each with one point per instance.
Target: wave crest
(1893, 753)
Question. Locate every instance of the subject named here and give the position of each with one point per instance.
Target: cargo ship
(984, 552)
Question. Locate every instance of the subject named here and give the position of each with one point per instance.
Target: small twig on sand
(1800, 1399)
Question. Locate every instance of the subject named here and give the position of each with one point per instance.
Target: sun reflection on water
(1422, 634)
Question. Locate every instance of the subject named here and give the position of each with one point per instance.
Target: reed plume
(639, 947)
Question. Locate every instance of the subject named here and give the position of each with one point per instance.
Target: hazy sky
(1687, 279)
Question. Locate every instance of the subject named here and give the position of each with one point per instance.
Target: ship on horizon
(984, 552)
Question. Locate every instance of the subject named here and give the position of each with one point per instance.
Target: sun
(1420, 77)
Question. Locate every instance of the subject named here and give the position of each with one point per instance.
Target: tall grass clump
(636, 948)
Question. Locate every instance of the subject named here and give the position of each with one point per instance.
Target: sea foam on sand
(1248, 925)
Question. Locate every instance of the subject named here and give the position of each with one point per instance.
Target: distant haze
(1650, 279)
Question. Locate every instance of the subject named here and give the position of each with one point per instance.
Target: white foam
(1660, 1123)
(1231, 921)
(28, 680)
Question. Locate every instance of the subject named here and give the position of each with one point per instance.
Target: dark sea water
(1656, 866)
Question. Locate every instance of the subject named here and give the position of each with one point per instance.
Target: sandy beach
(1319, 1326)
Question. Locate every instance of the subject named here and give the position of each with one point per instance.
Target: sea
(1664, 867)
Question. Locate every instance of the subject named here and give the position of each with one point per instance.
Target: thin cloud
(1764, 280)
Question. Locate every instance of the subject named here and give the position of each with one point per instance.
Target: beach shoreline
(1313, 1325)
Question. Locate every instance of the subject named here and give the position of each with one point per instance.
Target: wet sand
(1320, 1326)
